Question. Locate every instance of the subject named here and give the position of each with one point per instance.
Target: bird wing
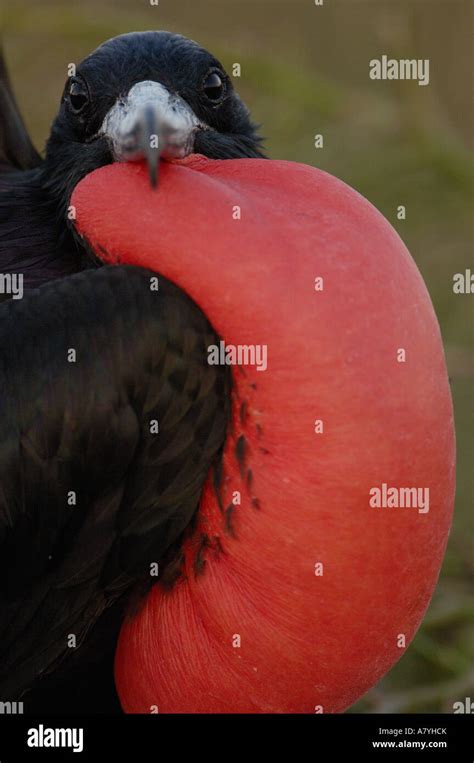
(110, 420)
(16, 148)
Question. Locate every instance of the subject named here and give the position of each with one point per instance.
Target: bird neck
(34, 240)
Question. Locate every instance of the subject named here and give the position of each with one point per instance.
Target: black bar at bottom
(143, 738)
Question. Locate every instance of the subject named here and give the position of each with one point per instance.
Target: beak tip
(153, 175)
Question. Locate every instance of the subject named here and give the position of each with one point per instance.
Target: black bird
(91, 360)
(140, 95)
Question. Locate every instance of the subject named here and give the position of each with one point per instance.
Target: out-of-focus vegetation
(305, 71)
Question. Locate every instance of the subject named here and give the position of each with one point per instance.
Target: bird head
(145, 96)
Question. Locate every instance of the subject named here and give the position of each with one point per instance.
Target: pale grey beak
(151, 123)
(144, 140)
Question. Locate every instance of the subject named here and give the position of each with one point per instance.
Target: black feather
(84, 426)
(16, 148)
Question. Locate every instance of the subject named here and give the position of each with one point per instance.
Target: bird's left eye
(214, 87)
(78, 96)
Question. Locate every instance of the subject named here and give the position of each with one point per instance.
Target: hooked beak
(145, 137)
(151, 123)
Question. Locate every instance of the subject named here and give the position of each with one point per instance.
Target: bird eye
(78, 95)
(214, 87)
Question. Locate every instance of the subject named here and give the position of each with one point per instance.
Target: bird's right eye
(78, 95)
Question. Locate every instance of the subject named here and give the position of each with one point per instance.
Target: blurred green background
(305, 71)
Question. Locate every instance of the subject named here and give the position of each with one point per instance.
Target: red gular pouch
(306, 584)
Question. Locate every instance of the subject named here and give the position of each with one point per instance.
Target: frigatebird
(91, 359)
(286, 591)
(147, 94)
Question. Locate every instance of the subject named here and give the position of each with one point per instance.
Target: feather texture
(86, 429)
(16, 147)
